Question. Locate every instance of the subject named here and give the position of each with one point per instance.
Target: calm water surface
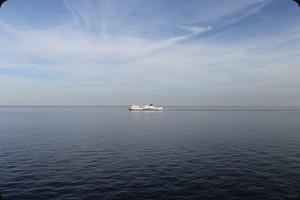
(86, 153)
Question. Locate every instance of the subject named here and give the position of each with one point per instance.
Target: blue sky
(167, 52)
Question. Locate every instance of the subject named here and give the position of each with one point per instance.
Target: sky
(165, 52)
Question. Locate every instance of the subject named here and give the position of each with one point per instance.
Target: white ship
(150, 107)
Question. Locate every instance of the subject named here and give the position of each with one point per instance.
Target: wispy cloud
(197, 29)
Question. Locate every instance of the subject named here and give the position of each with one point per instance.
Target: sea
(181, 153)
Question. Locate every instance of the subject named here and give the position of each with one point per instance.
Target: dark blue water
(86, 153)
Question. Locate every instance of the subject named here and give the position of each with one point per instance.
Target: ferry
(149, 107)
